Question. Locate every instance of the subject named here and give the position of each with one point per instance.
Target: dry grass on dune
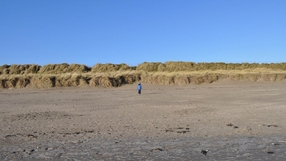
(191, 66)
(63, 68)
(146, 67)
(115, 75)
(19, 69)
(113, 79)
(199, 77)
(100, 68)
(47, 69)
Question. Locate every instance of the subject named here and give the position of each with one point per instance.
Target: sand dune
(116, 75)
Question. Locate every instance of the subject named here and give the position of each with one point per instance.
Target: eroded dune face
(116, 75)
(117, 80)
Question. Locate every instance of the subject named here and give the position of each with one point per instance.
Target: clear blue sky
(134, 31)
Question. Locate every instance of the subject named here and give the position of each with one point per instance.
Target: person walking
(139, 88)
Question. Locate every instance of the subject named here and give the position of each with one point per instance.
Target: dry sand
(233, 120)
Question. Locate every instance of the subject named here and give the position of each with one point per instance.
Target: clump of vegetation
(63, 68)
(102, 68)
(179, 66)
(4, 69)
(19, 69)
(150, 67)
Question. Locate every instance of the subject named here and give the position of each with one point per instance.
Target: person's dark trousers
(139, 91)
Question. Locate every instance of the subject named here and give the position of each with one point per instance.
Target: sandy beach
(230, 120)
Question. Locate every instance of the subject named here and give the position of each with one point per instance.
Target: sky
(135, 31)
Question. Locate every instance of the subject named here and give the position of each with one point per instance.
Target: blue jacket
(139, 87)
